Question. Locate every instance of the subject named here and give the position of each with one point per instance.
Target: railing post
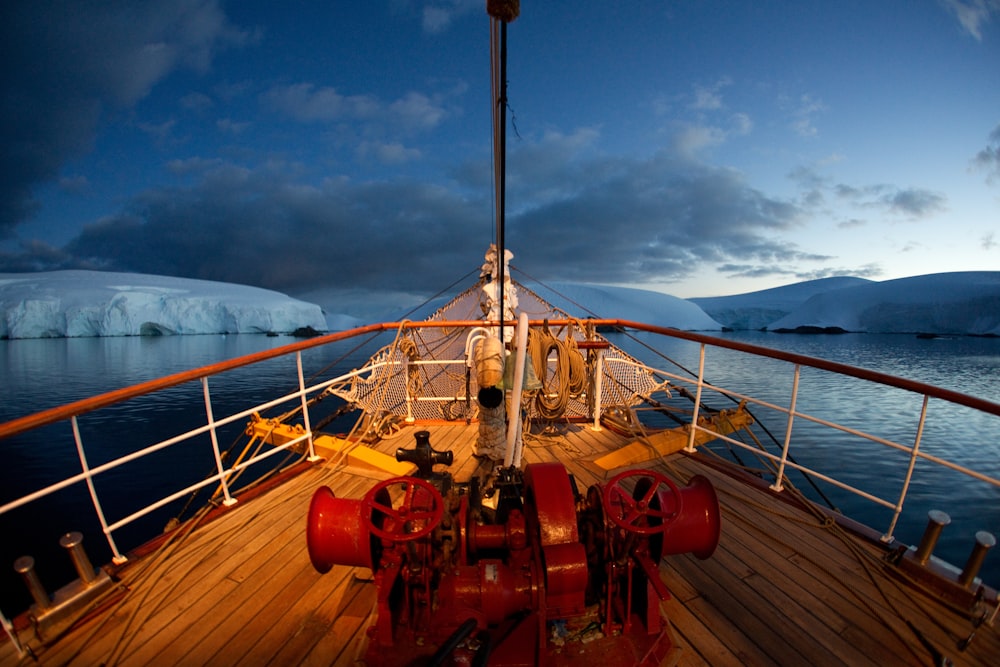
(777, 486)
(909, 472)
(598, 388)
(410, 419)
(305, 407)
(117, 557)
(697, 399)
(8, 628)
(215, 444)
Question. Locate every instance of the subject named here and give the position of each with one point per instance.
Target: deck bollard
(984, 542)
(25, 566)
(936, 521)
(73, 542)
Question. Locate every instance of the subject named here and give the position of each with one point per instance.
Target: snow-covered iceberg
(96, 303)
(604, 301)
(626, 303)
(942, 303)
(756, 310)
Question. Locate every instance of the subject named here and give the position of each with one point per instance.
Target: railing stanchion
(697, 399)
(215, 444)
(8, 628)
(305, 408)
(117, 557)
(909, 472)
(598, 388)
(777, 486)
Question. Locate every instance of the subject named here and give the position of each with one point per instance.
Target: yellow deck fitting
(275, 433)
(662, 443)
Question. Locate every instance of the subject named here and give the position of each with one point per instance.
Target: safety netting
(428, 372)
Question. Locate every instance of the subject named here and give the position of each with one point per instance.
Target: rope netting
(423, 374)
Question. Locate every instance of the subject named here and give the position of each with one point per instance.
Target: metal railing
(783, 461)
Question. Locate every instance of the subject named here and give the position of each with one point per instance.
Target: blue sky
(340, 151)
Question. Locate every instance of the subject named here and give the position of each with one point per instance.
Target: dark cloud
(261, 228)
(66, 62)
(642, 220)
(598, 218)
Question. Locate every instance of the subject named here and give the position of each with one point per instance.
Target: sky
(341, 151)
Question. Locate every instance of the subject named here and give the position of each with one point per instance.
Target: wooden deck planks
(243, 590)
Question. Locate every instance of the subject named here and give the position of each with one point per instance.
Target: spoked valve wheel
(641, 511)
(421, 503)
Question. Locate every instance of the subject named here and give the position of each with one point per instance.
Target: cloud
(988, 159)
(438, 15)
(387, 153)
(910, 202)
(973, 14)
(631, 220)
(768, 271)
(575, 214)
(914, 202)
(66, 63)
(231, 126)
(803, 113)
(307, 103)
(710, 97)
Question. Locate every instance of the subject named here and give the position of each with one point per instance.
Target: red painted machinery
(551, 577)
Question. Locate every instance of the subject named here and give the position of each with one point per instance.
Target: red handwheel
(641, 512)
(421, 503)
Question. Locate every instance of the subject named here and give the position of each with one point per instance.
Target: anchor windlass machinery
(551, 576)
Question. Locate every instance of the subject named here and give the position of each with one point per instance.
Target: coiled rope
(570, 378)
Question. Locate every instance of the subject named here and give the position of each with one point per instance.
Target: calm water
(38, 374)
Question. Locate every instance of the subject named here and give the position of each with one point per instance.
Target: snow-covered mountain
(942, 303)
(757, 310)
(96, 303)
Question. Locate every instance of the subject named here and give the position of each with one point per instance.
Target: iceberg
(964, 302)
(605, 301)
(756, 310)
(96, 303)
(627, 303)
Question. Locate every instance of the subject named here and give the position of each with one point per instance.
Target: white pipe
(514, 408)
(473, 336)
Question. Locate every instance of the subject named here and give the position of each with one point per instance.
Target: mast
(501, 13)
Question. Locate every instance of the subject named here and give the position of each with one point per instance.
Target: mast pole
(502, 11)
(502, 175)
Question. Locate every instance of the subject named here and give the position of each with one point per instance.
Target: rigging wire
(684, 392)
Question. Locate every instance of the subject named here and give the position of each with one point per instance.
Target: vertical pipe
(936, 521)
(215, 444)
(514, 408)
(73, 543)
(984, 542)
(777, 486)
(25, 566)
(117, 557)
